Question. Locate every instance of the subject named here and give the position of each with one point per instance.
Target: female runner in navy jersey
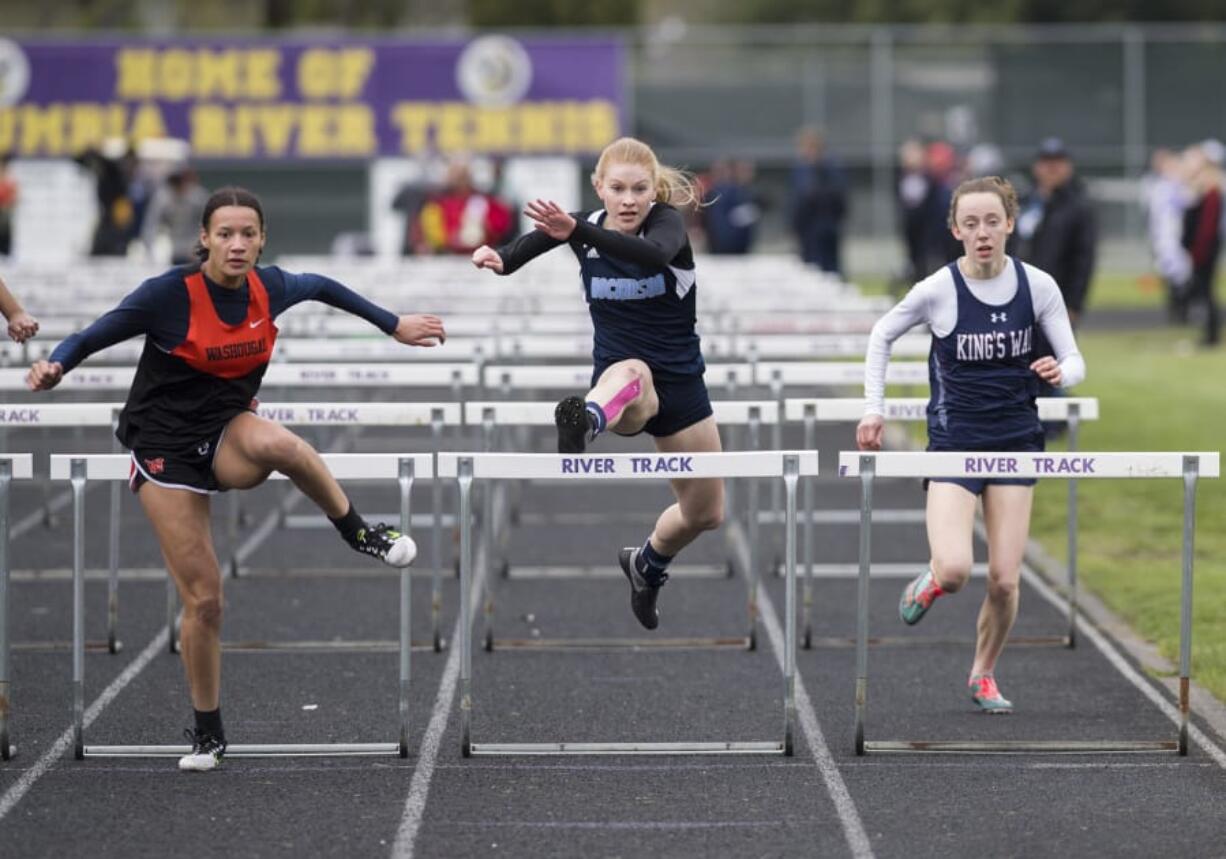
(983, 311)
(638, 277)
(189, 419)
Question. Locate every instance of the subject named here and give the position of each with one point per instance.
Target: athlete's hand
(44, 375)
(486, 257)
(420, 329)
(869, 432)
(551, 219)
(22, 326)
(1048, 370)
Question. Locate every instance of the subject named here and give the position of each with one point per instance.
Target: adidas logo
(592, 254)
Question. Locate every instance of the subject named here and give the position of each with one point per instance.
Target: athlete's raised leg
(253, 447)
(950, 520)
(623, 400)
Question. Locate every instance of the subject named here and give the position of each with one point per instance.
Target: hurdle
(869, 466)
(13, 466)
(468, 467)
(750, 414)
(1069, 410)
(80, 468)
(317, 414)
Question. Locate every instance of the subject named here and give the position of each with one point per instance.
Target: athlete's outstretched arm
(136, 314)
(662, 238)
(414, 329)
(516, 253)
(22, 326)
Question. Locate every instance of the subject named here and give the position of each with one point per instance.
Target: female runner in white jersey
(983, 311)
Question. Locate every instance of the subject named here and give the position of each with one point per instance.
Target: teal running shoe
(985, 694)
(917, 597)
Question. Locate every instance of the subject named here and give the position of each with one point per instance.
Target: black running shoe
(387, 544)
(570, 417)
(642, 595)
(206, 754)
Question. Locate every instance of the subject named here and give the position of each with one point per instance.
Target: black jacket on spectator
(1065, 242)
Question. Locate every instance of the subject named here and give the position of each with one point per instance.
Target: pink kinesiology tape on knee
(622, 399)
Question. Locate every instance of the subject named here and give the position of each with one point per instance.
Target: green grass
(1156, 392)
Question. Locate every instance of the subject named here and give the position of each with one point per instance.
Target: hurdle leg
(488, 535)
(112, 579)
(436, 538)
(751, 574)
(405, 480)
(807, 597)
(78, 607)
(867, 469)
(791, 471)
(465, 481)
(1191, 465)
(6, 701)
(1074, 421)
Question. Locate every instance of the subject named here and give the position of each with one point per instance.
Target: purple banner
(314, 99)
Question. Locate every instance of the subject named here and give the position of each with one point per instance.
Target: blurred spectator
(984, 159)
(913, 187)
(1056, 227)
(458, 218)
(175, 211)
(8, 204)
(732, 210)
(1165, 197)
(941, 170)
(819, 202)
(114, 167)
(1202, 233)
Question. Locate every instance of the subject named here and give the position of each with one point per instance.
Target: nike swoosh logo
(256, 324)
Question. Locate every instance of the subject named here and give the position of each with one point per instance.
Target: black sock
(209, 722)
(652, 565)
(349, 525)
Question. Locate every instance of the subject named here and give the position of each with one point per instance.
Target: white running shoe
(206, 754)
(386, 544)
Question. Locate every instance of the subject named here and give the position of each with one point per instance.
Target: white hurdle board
(13, 466)
(313, 375)
(80, 468)
(1189, 467)
(490, 415)
(467, 467)
(1068, 410)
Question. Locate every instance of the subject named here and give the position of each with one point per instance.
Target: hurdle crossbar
(869, 466)
(750, 414)
(467, 467)
(13, 466)
(80, 468)
(1069, 410)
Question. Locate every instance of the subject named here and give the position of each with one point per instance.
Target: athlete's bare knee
(280, 451)
(707, 517)
(951, 572)
(1002, 587)
(206, 610)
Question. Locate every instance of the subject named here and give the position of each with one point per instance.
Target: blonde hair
(986, 185)
(672, 185)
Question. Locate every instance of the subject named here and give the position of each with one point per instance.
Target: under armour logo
(999, 317)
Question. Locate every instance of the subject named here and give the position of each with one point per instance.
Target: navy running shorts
(976, 485)
(684, 401)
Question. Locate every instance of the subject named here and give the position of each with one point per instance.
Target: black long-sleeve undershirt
(661, 238)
